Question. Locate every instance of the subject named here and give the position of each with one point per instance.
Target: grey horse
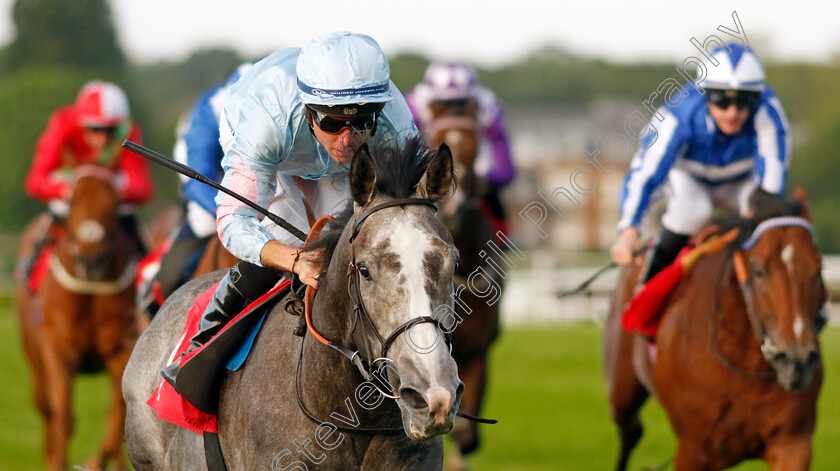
(403, 261)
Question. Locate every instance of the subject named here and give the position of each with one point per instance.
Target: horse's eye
(363, 270)
(757, 270)
(457, 262)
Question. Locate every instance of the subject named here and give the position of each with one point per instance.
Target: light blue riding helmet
(738, 69)
(341, 68)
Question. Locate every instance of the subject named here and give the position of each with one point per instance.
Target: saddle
(191, 400)
(643, 312)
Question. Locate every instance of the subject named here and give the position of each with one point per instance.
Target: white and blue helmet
(738, 69)
(341, 68)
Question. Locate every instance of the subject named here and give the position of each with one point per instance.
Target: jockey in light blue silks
(289, 129)
(713, 149)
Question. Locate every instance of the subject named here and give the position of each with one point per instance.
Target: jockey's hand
(713, 244)
(627, 243)
(308, 267)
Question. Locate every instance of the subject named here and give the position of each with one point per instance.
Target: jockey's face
(342, 144)
(97, 138)
(731, 118)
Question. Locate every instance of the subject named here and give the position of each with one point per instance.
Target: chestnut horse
(736, 364)
(82, 319)
(470, 229)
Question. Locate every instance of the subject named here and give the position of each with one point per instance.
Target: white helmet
(450, 80)
(342, 67)
(738, 69)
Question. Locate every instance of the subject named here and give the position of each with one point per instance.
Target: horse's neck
(332, 310)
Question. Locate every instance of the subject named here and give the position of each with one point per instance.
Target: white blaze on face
(787, 258)
(798, 327)
(411, 245)
(90, 232)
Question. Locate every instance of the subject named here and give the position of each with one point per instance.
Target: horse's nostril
(412, 398)
(813, 358)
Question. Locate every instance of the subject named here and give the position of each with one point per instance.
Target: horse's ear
(438, 183)
(799, 194)
(362, 176)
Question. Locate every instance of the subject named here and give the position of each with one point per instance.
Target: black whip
(192, 173)
(598, 273)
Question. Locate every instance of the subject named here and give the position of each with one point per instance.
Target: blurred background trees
(59, 45)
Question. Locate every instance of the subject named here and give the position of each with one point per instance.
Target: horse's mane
(763, 206)
(399, 169)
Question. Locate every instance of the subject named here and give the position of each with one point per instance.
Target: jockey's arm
(649, 169)
(306, 265)
(773, 146)
(43, 182)
(502, 171)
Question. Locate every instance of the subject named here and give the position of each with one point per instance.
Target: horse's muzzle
(795, 369)
(430, 412)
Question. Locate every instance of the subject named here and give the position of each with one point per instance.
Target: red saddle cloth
(643, 313)
(165, 400)
(148, 269)
(40, 268)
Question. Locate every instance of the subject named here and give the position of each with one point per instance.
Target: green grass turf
(547, 390)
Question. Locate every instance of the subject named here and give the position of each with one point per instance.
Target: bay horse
(390, 266)
(737, 358)
(82, 319)
(466, 221)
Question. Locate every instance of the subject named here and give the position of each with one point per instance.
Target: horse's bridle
(768, 349)
(362, 317)
(361, 313)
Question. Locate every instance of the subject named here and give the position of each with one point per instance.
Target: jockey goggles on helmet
(332, 119)
(723, 99)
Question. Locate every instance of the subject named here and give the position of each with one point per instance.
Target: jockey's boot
(242, 284)
(226, 303)
(47, 237)
(665, 252)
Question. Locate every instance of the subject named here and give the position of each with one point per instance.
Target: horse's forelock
(399, 169)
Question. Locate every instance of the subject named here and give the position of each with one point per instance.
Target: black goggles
(742, 100)
(334, 124)
(109, 130)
